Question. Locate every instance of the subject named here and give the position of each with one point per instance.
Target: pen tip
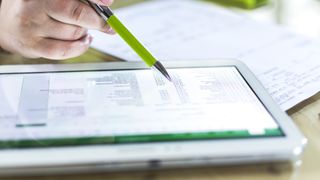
(162, 70)
(168, 77)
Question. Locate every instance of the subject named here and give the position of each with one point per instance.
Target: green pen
(107, 14)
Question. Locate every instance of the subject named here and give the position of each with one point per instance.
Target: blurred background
(301, 16)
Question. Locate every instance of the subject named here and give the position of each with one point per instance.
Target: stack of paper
(287, 64)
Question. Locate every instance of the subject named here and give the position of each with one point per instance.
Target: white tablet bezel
(161, 154)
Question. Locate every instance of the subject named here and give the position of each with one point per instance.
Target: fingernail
(111, 31)
(106, 2)
(90, 39)
(87, 40)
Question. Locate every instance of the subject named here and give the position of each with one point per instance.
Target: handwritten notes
(287, 64)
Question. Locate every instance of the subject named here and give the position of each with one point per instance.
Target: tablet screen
(129, 106)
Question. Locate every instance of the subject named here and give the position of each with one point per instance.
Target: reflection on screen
(129, 106)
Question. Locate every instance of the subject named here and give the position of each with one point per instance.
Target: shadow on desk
(91, 56)
(246, 172)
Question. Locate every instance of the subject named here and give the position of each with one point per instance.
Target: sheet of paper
(287, 64)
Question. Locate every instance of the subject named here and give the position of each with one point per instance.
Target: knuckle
(26, 20)
(45, 50)
(23, 22)
(71, 50)
(65, 51)
(56, 52)
(57, 6)
(78, 12)
(49, 52)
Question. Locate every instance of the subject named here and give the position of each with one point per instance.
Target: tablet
(120, 116)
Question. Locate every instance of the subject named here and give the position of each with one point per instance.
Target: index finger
(76, 13)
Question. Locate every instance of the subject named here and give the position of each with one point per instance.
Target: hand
(53, 29)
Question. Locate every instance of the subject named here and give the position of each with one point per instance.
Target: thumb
(103, 2)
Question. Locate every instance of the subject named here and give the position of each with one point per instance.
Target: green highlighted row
(136, 139)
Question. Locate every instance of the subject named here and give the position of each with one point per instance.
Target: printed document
(287, 64)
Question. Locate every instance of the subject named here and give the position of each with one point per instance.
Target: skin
(53, 29)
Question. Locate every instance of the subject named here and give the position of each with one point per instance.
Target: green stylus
(129, 38)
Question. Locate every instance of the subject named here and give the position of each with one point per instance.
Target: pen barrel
(131, 40)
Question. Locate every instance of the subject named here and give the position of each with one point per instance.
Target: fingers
(57, 30)
(76, 13)
(58, 49)
(103, 2)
